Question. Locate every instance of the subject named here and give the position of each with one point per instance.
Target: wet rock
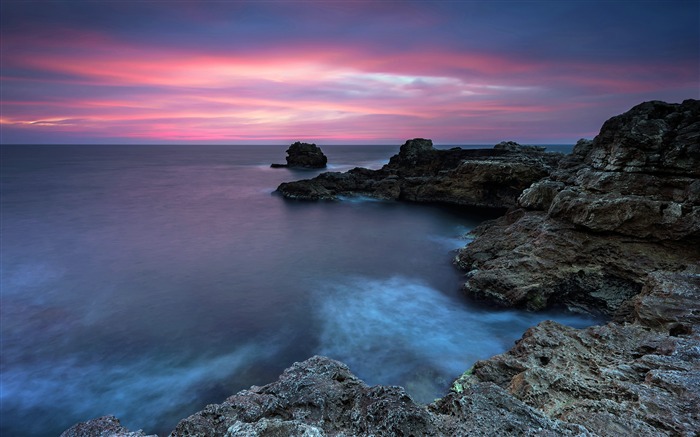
(321, 397)
(304, 155)
(615, 379)
(102, 426)
(491, 178)
(612, 231)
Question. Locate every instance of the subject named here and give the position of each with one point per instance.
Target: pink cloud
(341, 93)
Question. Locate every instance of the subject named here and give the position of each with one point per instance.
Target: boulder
(304, 155)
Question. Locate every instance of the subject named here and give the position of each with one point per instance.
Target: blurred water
(148, 281)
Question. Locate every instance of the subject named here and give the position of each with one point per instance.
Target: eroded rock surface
(420, 173)
(614, 211)
(105, 426)
(321, 397)
(614, 231)
(304, 155)
(639, 376)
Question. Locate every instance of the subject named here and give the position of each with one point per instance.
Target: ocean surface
(148, 281)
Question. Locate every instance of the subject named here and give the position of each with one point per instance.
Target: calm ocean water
(149, 281)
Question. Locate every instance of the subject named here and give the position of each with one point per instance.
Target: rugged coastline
(491, 178)
(612, 229)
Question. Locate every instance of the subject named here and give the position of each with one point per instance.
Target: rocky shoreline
(612, 229)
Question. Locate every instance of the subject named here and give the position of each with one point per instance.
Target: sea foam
(399, 331)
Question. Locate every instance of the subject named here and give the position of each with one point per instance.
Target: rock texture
(304, 155)
(420, 173)
(636, 377)
(321, 397)
(615, 231)
(105, 426)
(615, 210)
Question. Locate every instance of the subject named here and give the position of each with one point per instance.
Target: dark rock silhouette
(304, 155)
(420, 173)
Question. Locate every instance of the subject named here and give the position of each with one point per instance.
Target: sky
(337, 72)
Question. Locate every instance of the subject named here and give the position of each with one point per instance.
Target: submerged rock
(304, 155)
(491, 178)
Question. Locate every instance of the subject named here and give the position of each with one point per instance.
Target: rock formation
(616, 209)
(420, 173)
(613, 229)
(107, 426)
(321, 397)
(304, 155)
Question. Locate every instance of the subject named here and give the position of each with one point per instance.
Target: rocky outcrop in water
(304, 155)
(420, 173)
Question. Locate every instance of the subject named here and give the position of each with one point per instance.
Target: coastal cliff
(612, 229)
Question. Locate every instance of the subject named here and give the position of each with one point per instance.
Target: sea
(148, 281)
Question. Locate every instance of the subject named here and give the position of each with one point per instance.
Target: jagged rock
(420, 173)
(304, 155)
(539, 196)
(637, 378)
(591, 237)
(615, 231)
(318, 396)
(105, 426)
(653, 137)
(321, 397)
(512, 146)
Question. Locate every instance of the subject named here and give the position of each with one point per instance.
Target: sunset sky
(337, 72)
